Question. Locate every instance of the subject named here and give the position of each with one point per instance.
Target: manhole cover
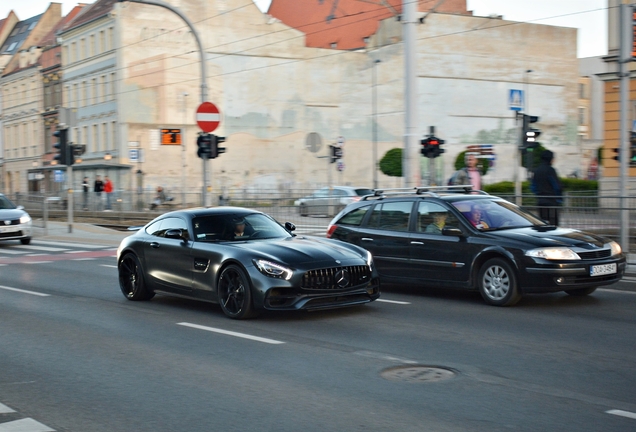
(417, 373)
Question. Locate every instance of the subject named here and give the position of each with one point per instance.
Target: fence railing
(599, 214)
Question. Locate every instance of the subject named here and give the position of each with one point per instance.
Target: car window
(160, 227)
(363, 192)
(209, 228)
(433, 217)
(354, 217)
(496, 214)
(339, 192)
(321, 193)
(392, 216)
(5, 204)
(231, 227)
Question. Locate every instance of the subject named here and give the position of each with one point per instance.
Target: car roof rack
(423, 190)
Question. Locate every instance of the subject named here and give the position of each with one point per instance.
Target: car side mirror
(175, 233)
(290, 226)
(20, 207)
(452, 231)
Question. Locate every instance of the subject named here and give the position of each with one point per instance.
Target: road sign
(133, 154)
(208, 117)
(340, 166)
(515, 100)
(341, 141)
(170, 136)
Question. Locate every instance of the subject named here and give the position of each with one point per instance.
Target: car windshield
(496, 214)
(363, 192)
(233, 227)
(5, 204)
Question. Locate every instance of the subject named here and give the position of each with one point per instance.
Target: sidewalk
(80, 233)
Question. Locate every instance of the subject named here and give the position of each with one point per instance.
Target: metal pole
(410, 163)
(69, 194)
(204, 92)
(183, 152)
(375, 125)
(624, 58)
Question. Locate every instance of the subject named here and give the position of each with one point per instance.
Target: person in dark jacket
(547, 187)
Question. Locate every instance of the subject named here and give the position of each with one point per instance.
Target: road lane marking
(83, 259)
(77, 245)
(5, 409)
(622, 413)
(231, 333)
(25, 425)
(108, 265)
(74, 252)
(12, 252)
(616, 291)
(42, 248)
(37, 262)
(24, 291)
(393, 301)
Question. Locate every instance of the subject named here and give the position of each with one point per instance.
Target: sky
(590, 16)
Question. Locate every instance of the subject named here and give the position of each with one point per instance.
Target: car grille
(12, 234)
(603, 253)
(12, 222)
(336, 278)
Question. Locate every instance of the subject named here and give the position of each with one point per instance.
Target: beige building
(132, 70)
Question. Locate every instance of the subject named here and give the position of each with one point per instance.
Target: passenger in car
(475, 217)
(439, 220)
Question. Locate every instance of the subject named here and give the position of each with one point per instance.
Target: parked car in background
(245, 261)
(15, 222)
(329, 201)
(433, 237)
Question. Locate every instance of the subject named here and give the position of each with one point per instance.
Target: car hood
(302, 250)
(7, 214)
(563, 237)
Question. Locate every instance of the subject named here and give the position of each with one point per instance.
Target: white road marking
(76, 245)
(5, 409)
(76, 251)
(622, 413)
(393, 301)
(42, 248)
(616, 291)
(36, 262)
(12, 251)
(231, 333)
(25, 425)
(84, 259)
(24, 291)
(108, 265)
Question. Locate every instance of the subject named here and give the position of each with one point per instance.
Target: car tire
(302, 210)
(25, 241)
(131, 279)
(235, 293)
(580, 292)
(497, 283)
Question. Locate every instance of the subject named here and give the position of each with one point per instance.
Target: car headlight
(553, 253)
(369, 259)
(615, 247)
(25, 219)
(273, 270)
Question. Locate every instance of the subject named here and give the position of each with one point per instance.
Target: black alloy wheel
(131, 279)
(497, 283)
(235, 294)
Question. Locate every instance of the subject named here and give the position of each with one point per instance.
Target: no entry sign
(208, 116)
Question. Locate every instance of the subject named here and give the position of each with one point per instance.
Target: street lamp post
(183, 152)
(375, 125)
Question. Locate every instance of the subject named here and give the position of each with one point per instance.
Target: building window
(102, 42)
(91, 46)
(581, 116)
(581, 91)
(95, 91)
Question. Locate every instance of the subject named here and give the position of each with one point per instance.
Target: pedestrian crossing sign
(515, 100)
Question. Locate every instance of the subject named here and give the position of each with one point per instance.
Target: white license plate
(603, 269)
(9, 229)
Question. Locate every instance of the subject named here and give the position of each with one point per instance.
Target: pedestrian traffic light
(61, 146)
(334, 154)
(617, 154)
(529, 134)
(215, 149)
(204, 142)
(431, 146)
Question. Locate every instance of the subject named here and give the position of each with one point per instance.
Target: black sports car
(477, 242)
(245, 261)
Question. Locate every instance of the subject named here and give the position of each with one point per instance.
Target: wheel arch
(485, 255)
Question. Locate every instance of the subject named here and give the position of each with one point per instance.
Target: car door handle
(417, 242)
(366, 239)
(154, 245)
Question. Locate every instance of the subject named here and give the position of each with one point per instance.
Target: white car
(15, 223)
(329, 201)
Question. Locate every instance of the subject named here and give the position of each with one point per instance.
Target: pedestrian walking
(98, 189)
(469, 175)
(86, 189)
(108, 189)
(547, 187)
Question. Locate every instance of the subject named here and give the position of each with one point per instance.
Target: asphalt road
(77, 356)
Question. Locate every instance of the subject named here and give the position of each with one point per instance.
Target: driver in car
(239, 227)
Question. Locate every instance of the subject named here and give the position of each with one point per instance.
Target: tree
(391, 163)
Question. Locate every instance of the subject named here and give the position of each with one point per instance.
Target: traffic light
(529, 134)
(62, 153)
(617, 154)
(431, 146)
(215, 149)
(204, 142)
(77, 150)
(334, 154)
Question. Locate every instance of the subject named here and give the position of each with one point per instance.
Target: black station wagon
(475, 241)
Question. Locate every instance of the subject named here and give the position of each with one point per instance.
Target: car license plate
(9, 229)
(603, 269)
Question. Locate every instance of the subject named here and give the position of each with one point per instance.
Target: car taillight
(330, 230)
(355, 199)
